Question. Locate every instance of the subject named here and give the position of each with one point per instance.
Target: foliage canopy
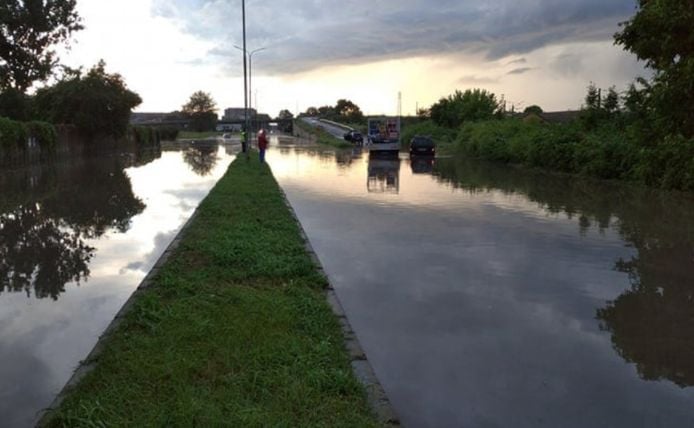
(661, 34)
(29, 32)
(201, 110)
(97, 103)
(471, 105)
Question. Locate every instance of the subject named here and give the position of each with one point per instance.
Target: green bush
(44, 133)
(669, 164)
(145, 136)
(13, 136)
(604, 152)
(15, 105)
(98, 103)
(168, 133)
(439, 134)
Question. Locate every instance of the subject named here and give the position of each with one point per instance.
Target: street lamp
(250, 71)
(244, 144)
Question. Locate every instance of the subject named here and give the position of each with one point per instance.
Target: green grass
(188, 135)
(234, 331)
(322, 136)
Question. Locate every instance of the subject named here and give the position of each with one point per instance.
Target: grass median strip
(233, 331)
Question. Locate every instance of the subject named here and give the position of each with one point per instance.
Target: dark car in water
(354, 137)
(422, 145)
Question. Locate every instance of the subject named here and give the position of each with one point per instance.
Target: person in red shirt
(262, 144)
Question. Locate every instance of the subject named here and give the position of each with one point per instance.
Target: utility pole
(244, 143)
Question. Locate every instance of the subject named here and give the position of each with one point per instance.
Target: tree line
(645, 133)
(344, 111)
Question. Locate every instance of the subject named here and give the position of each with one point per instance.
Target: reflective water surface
(492, 297)
(75, 240)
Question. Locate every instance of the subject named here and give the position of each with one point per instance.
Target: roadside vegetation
(644, 134)
(319, 135)
(234, 331)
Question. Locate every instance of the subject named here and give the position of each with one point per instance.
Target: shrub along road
(233, 331)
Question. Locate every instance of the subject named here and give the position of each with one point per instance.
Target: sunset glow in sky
(532, 51)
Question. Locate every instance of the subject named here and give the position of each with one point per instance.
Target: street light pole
(249, 91)
(244, 145)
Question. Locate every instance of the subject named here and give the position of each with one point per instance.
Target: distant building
(175, 119)
(147, 118)
(236, 114)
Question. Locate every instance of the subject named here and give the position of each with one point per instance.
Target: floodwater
(76, 239)
(487, 296)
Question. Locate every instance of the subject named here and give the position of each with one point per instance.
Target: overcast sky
(532, 51)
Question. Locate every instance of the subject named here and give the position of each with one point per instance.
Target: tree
(593, 113)
(325, 111)
(534, 109)
(29, 32)
(311, 112)
(201, 110)
(15, 104)
(347, 110)
(471, 105)
(661, 34)
(98, 103)
(285, 115)
(611, 104)
(593, 97)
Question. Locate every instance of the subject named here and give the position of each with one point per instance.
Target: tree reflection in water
(42, 238)
(652, 323)
(39, 252)
(202, 158)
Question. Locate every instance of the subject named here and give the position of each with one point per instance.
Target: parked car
(354, 137)
(422, 145)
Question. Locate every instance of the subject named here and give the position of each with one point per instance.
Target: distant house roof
(560, 116)
(237, 113)
(144, 118)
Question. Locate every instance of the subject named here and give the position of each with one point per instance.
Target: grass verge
(233, 331)
(321, 136)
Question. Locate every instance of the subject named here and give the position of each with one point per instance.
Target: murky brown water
(492, 297)
(75, 241)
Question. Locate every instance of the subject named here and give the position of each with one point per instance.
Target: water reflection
(202, 156)
(652, 323)
(47, 213)
(422, 164)
(493, 296)
(383, 174)
(37, 252)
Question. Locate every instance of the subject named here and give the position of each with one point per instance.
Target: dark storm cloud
(303, 35)
(521, 70)
(518, 61)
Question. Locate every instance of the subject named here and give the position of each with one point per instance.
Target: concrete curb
(88, 364)
(361, 367)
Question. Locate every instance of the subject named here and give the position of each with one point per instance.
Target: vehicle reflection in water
(383, 174)
(422, 164)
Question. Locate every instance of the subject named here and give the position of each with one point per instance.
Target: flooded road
(489, 297)
(76, 239)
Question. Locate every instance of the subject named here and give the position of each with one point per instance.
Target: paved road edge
(361, 367)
